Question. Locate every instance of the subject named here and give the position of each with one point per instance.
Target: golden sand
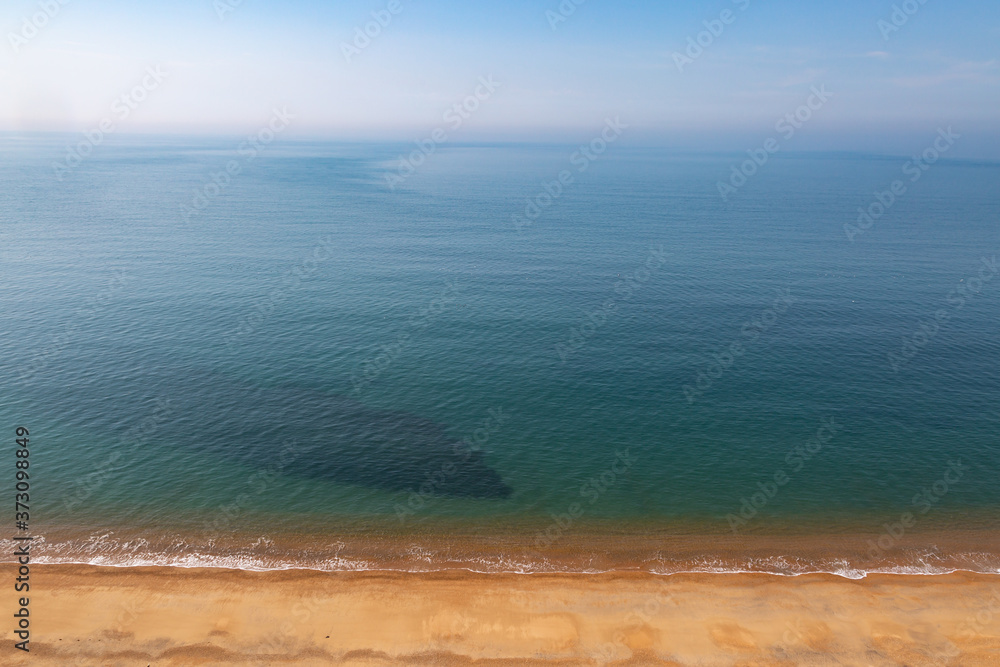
(84, 615)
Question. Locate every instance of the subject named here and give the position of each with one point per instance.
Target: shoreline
(515, 573)
(179, 616)
(851, 556)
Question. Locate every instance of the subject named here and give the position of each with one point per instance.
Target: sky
(560, 69)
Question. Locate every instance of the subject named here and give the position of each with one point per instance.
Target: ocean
(506, 358)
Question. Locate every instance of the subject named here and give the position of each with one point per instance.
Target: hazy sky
(941, 67)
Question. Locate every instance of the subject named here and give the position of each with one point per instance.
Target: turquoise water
(304, 349)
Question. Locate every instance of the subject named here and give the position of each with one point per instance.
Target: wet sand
(86, 615)
(601, 547)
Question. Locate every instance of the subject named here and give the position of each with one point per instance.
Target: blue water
(173, 355)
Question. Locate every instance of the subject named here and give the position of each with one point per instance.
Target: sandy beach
(85, 615)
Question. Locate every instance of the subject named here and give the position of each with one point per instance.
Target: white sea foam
(262, 554)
